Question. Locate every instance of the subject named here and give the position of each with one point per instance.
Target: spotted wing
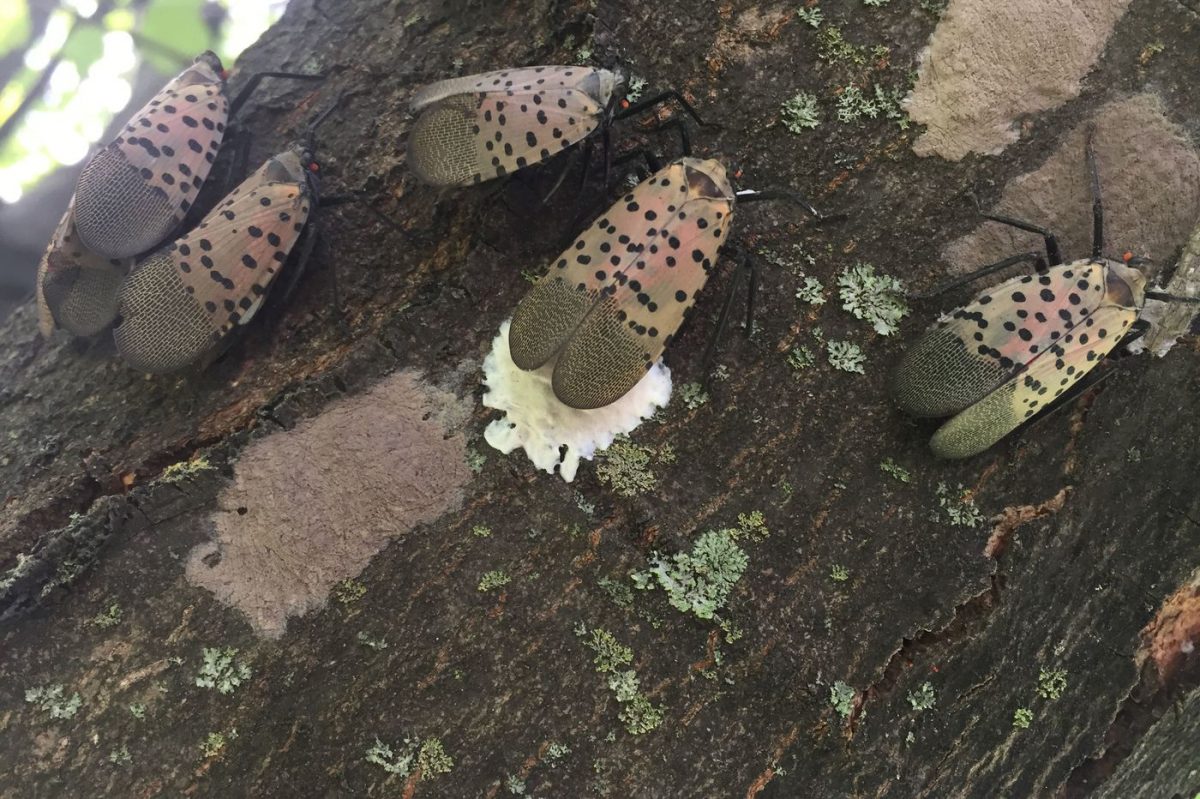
(136, 190)
(977, 348)
(1048, 376)
(485, 126)
(612, 302)
(76, 289)
(188, 295)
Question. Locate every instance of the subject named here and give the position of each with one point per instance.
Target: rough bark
(1086, 562)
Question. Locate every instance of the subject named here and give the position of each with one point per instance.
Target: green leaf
(84, 48)
(177, 25)
(14, 24)
(120, 19)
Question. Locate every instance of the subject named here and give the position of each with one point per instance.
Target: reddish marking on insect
(935, 669)
(737, 174)
(314, 167)
(1127, 256)
(624, 104)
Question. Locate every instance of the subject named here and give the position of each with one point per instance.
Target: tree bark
(1079, 579)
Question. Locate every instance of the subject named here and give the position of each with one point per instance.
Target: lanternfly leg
(257, 77)
(1053, 253)
(659, 99)
(983, 271)
(1097, 204)
(744, 265)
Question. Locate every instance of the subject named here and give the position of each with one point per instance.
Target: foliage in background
(80, 60)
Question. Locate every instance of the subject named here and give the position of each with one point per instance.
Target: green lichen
(833, 48)
(895, 470)
(514, 785)
(812, 16)
(922, 698)
(634, 89)
(137, 710)
(370, 641)
(699, 581)
(1052, 683)
(876, 3)
(811, 292)
(839, 573)
(221, 670)
(625, 466)
(382, 755)
(120, 756)
(801, 358)
(853, 106)
(956, 507)
(214, 744)
(618, 592)
(846, 356)
(841, 696)
(752, 525)
(109, 617)
(432, 758)
(640, 715)
(889, 101)
(52, 700)
(556, 752)
(475, 460)
(178, 472)
(692, 395)
(481, 531)
(610, 657)
(1022, 718)
(801, 112)
(349, 591)
(875, 298)
(497, 578)
(609, 653)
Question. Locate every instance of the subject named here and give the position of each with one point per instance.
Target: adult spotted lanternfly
(1020, 345)
(476, 128)
(183, 299)
(611, 303)
(134, 192)
(76, 289)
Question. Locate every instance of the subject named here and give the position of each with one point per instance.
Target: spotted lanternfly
(476, 128)
(1020, 345)
(183, 299)
(76, 289)
(136, 190)
(611, 303)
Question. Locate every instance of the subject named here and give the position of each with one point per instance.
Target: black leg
(659, 99)
(751, 196)
(744, 265)
(1165, 297)
(333, 200)
(306, 251)
(1097, 205)
(1053, 253)
(582, 153)
(983, 271)
(256, 78)
(685, 140)
(751, 265)
(653, 162)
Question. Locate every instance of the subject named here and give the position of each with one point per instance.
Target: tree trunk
(321, 498)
